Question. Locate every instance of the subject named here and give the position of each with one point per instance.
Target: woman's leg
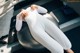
(57, 34)
(51, 18)
(43, 38)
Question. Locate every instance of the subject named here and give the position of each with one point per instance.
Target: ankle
(69, 51)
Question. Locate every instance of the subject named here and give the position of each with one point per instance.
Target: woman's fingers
(24, 13)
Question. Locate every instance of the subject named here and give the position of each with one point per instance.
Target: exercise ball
(26, 40)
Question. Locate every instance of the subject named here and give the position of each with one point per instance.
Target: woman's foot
(69, 51)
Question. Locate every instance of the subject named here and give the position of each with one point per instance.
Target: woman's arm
(42, 9)
(18, 22)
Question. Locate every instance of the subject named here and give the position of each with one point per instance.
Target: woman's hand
(24, 13)
(34, 7)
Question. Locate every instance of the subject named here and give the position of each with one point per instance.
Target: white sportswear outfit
(45, 32)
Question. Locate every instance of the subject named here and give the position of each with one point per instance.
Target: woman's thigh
(57, 34)
(43, 38)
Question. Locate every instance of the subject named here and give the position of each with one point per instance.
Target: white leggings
(51, 37)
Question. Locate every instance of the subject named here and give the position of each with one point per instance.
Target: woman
(43, 30)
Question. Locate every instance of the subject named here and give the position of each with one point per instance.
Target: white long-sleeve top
(31, 14)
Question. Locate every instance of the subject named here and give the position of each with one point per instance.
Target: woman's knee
(68, 46)
(58, 50)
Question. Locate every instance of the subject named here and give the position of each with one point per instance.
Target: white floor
(5, 49)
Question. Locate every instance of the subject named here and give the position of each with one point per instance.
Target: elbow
(46, 10)
(17, 28)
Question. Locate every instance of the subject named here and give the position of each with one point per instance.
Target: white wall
(5, 22)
